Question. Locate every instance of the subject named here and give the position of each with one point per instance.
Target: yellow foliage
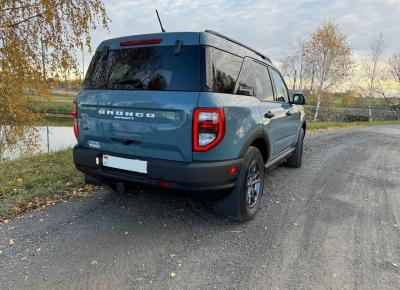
(38, 39)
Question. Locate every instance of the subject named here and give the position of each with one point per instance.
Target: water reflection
(50, 139)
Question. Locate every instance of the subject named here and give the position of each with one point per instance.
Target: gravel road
(333, 224)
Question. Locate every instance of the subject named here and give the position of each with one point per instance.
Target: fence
(346, 114)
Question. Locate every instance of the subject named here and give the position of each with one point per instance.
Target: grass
(56, 122)
(56, 104)
(53, 107)
(32, 181)
(330, 125)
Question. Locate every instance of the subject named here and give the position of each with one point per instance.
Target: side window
(256, 76)
(222, 70)
(281, 90)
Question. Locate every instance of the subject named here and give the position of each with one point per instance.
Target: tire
(295, 159)
(244, 201)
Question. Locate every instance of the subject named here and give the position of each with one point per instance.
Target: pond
(50, 139)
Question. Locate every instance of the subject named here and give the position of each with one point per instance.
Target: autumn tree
(391, 73)
(394, 66)
(372, 72)
(38, 42)
(327, 59)
(293, 67)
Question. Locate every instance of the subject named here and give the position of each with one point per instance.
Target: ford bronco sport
(194, 111)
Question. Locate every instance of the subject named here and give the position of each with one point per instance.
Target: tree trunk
(312, 81)
(43, 59)
(317, 108)
(369, 109)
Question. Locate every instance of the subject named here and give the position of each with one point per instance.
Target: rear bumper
(194, 176)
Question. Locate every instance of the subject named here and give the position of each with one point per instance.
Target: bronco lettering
(126, 113)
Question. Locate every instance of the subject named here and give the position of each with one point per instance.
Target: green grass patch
(53, 107)
(30, 181)
(330, 125)
(56, 122)
(58, 103)
(63, 96)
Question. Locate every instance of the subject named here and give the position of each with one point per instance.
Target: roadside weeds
(39, 180)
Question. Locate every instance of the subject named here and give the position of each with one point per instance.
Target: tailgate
(137, 123)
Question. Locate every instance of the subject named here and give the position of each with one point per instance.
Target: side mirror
(299, 99)
(245, 90)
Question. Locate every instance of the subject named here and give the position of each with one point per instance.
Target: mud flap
(230, 204)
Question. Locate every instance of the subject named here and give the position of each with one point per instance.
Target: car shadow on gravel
(154, 203)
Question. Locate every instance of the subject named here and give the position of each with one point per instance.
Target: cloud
(273, 27)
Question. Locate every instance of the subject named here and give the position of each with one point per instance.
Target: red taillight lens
(141, 42)
(75, 115)
(208, 128)
(76, 131)
(232, 170)
(74, 110)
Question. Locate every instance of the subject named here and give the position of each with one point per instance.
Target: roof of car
(208, 37)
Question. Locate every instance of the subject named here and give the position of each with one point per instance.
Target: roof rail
(239, 43)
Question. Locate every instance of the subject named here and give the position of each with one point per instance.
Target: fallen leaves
(16, 210)
(42, 202)
(172, 274)
(93, 262)
(395, 265)
(11, 242)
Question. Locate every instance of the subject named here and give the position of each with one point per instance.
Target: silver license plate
(133, 165)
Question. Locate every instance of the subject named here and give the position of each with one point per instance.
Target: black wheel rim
(253, 186)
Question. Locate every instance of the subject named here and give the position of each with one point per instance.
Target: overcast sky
(273, 27)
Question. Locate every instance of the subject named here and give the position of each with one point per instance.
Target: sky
(273, 27)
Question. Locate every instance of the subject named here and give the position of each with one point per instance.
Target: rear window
(145, 68)
(222, 70)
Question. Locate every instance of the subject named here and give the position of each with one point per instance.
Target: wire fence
(352, 114)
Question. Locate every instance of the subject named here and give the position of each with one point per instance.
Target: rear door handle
(269, 115)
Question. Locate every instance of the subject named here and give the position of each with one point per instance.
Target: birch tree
(328, 58)
(372, 72)
(38, 40)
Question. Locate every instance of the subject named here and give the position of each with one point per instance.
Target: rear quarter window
(222, 70)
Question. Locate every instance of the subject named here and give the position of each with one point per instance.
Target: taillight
(74, 110)
(208, 128)
(75, 115)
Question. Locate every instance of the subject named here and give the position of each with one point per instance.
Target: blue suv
(195, 111)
